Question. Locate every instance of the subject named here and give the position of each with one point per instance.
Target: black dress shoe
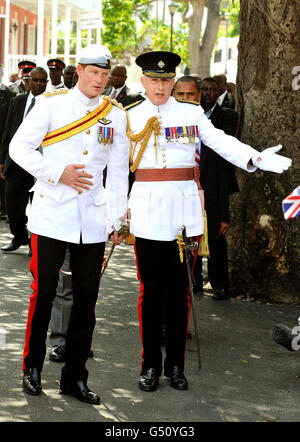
(177, 379)
(149, 380)
(219, 295)
(14, 245)
(32, 382)
(57, 353)
(80, 390)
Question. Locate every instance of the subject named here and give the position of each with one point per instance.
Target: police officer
(164, 135)
(56, 67)
(24, 85)
(80, 134)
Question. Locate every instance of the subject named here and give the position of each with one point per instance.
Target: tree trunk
(201, 49)
(264, 253)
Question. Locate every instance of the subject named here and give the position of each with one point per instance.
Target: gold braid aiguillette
(152, 125)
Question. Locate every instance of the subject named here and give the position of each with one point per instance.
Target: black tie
(31, 106)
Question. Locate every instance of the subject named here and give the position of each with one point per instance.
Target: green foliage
(160, 36)
(234, 25)
(119, 25)
(129, 29)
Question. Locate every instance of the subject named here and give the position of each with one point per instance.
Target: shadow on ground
(245, 377)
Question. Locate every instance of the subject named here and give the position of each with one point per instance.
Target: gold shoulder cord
(152, 125)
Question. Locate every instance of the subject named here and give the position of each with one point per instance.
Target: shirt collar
(83, 98)
(117, 90)
(210, 111)
(162, 107)
(222, 96)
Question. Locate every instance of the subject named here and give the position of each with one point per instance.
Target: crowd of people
(66, 139)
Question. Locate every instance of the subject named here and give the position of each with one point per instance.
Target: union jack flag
(291, 204)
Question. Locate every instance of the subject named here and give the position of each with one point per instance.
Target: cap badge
(161, 64)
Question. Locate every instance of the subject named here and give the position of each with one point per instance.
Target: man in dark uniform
(56, 67)
(5, 96)
(18, 181)
(23, 86)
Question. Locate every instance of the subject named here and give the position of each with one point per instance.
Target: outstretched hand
(269, 161)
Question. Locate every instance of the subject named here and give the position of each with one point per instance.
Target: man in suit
(18, 181)
(225, 98)
(5, 96)
(118, 89)
(68, 76)
(217, 178)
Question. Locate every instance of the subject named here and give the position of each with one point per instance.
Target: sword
(185, 250)
(123, 229)
(106, 259)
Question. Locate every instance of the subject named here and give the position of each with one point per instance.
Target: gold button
(163, 154)
(88, 112)
(164, 167)
(163, 160)
(41, 195)
(88, 131)
(85, 152)
(49, 181)
(163, 149)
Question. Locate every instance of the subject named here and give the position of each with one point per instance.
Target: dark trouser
(217, 264)
(86, 262)
(17, 186)
(62, 305)
(158, 261)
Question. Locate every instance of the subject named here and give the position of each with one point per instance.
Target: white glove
(268, 160)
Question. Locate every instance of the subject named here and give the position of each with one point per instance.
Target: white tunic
(58, 211)
(159, 209)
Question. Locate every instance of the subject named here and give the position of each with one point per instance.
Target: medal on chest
(182, 134)
(105, 135)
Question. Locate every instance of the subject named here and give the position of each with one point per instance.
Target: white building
(29, 29)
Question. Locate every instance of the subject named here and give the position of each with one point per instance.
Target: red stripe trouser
(47, 258)
(164, 284)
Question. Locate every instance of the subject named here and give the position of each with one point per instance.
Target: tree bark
(201, 48)
(264, 253)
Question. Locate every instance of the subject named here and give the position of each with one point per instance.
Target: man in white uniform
(164, 134)
(80, 133)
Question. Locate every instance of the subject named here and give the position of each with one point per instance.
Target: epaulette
(60, 91)
(129, 106)
(188, 101)
(113, 101)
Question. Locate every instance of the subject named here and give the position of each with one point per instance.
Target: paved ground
(245, 377)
